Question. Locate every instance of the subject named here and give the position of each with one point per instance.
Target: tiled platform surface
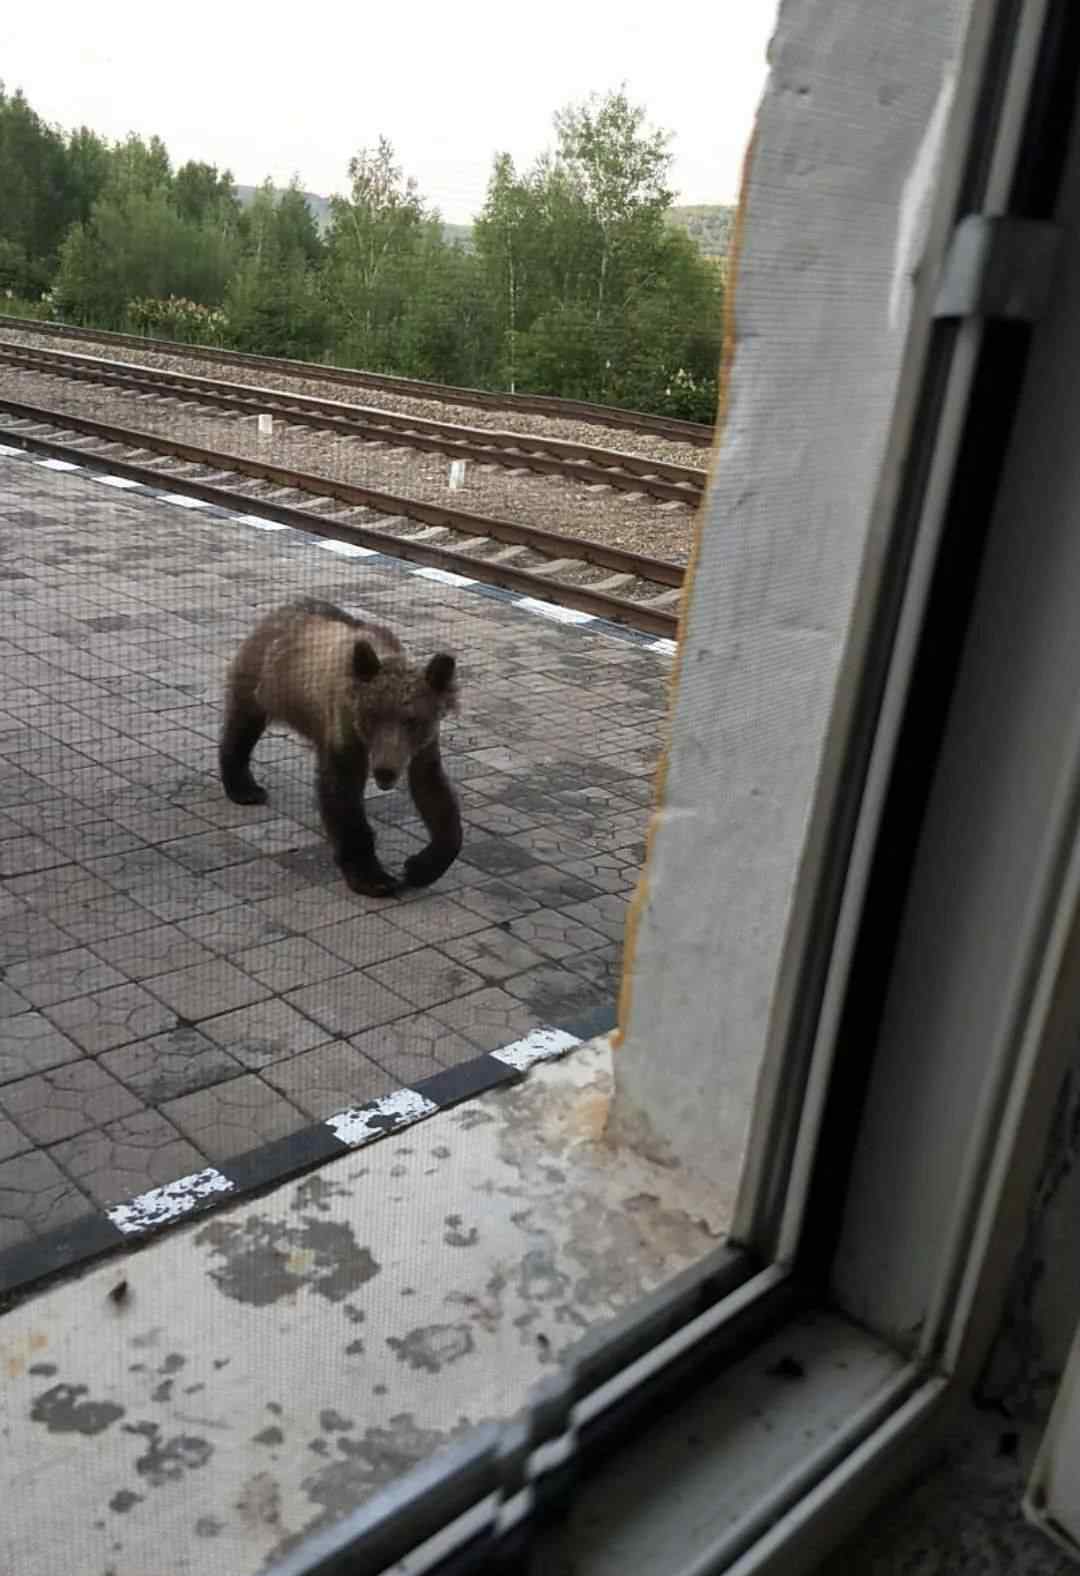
(183, 981)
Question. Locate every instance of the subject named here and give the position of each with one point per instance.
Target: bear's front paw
(425, 867)
(248, 792)
(369, 883)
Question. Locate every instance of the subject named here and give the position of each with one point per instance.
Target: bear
(347, 687)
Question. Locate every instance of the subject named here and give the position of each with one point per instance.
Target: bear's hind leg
(245, 723)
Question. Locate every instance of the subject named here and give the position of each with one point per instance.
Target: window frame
(484, 1502)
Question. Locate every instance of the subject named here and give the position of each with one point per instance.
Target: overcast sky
(273, 90)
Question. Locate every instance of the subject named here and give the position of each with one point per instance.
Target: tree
(620, 168)
(136, 244)
(202, 191)
(140, 168)
(374, 238)
(88, 159)
(296, 233)
(35, 207)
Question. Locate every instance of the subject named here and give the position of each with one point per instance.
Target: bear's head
(396, 707)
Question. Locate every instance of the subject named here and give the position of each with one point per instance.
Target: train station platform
(294, 1185)
(192, 1002)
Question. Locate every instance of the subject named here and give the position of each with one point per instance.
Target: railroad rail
(614, 416)
(590, 577)
(515, 451)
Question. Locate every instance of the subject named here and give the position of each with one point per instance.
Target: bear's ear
(440, 672)
(365, 660)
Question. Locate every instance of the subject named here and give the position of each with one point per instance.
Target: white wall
(836, 202)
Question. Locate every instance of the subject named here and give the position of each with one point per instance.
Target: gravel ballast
(646, 445)
(600, 514)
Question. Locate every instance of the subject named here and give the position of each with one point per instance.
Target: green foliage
(35, 195)
(136, 244)
(577, 278)
(176, 318)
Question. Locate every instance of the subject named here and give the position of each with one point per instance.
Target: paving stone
(97, 918)
(93, 840)
(12, 1141)
(24, 933)
(232, 1118)
(278, 836)
(489, 1018)
(211, 850)
(367, 939)
(309, 908)
(66, 1100)
(111, 1017)
(550, 933)
(331, 1078)
(606, 913)
(58, 888)
(498, 857)
(29, 1043)
(156, 821)
(33, 819)
(498, 901)
(182, 896)
(349, 1004)
(154, 951)
(11, 1003)
(411, 1049)
(234, 929)
(60, 976)
(127, 1157)
(268, 1032)
(425, 977)
(35, 1198)
(286, 965)
(258, 878)
(437, 919)
(606, 873)
(554, 887)
(203, 990)
(602, 968)
(557, 995)
(172, 1064)
(493, 954)
(18, 855)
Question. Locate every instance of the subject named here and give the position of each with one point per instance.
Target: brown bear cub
(349, 689)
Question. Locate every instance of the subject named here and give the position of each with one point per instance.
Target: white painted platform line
(58, 465)
(561, 615)
(444, 577)
(666, 646)
(361, 1125)
(182, 501)
(542, 1045)
(347, 549)
(122, 482)
(5, 448)
(259, 523)
(164, 1204)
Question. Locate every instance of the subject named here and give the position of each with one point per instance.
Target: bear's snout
(385, 777)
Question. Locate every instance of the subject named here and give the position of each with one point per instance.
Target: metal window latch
(999, 268)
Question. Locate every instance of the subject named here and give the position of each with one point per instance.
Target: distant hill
(709, 224)
(320, 206)
(456, 234)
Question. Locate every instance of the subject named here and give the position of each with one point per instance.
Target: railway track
(589, 577)
(514, 451)
(613, 416)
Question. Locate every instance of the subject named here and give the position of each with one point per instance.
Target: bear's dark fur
(348, 688)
